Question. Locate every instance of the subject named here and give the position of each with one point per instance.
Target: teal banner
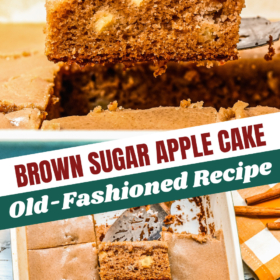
(139, 189)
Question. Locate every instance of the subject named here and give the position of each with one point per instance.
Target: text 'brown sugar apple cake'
(129, 31)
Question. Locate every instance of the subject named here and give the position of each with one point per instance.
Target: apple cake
(144, 260)
(130, 31)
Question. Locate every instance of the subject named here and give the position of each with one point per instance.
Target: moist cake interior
(254, 81)
(142, 30)
(29, 80)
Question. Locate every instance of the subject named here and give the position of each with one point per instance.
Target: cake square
(162, 118)
(23, 119)
(60, 233)
(144, 260)
(27, 78)
(26, 82)
(195, 257)
(142, 30)
(73, 262)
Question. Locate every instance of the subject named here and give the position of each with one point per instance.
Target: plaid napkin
(260, 247)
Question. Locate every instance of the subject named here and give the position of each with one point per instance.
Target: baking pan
(221, 205)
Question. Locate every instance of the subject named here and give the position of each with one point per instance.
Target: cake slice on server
(142, 30)
(128, 244)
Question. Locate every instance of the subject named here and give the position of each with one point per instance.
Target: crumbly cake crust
(195, 257)
(68, 262)
(147, 260)
(241, 110)
(60, 233)
(100, 232)
(142, 30)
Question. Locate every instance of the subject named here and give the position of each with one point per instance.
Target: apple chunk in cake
(129, 31)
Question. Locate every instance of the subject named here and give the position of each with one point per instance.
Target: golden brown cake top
(23, 119)
(26, 82)
(68, 262)
(161, 118)
(60, 233)
(197, 257)
(21, 39)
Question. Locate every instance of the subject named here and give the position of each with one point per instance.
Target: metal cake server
(255, 32)
(136, 224)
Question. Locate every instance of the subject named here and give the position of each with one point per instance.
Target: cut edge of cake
(141, 30)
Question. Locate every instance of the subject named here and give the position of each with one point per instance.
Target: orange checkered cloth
(260, 247)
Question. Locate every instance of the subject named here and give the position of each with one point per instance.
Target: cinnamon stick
(263, 197)
(273, 226)
(249, 211)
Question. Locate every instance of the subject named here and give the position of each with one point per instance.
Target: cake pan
(19, 143)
